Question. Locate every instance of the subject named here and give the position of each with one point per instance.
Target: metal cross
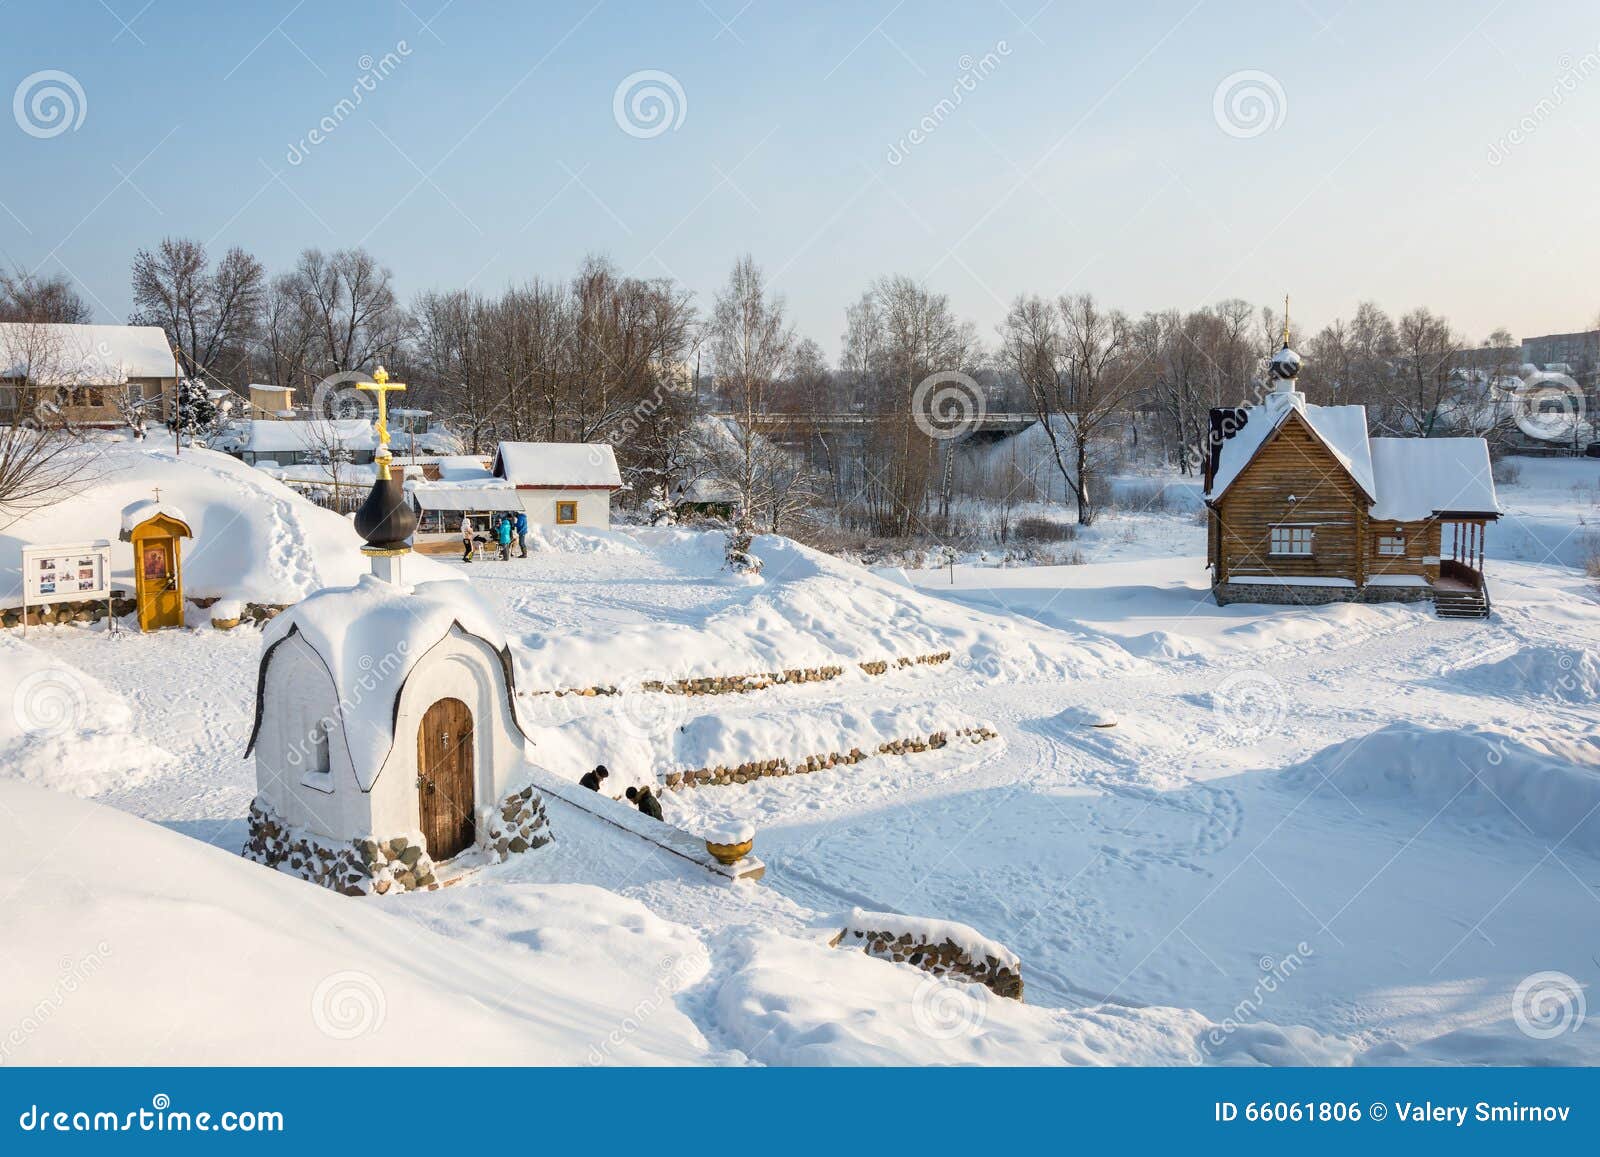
(381, 386)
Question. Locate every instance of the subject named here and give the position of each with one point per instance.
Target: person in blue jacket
(522, 532)
(503, 533)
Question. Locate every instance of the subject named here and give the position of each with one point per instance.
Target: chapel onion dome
(1285, 364)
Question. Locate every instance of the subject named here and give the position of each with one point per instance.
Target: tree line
(726, 402)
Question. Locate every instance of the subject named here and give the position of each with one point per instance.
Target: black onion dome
(1285, 365)
(386, 519)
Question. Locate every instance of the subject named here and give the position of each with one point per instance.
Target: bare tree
(25, 296)
(350, 296)
(1428, 350)
(39, 449)
(1079, 376)
(211, 316)
(751, 343)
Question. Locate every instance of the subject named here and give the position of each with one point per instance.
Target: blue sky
(1090, 155)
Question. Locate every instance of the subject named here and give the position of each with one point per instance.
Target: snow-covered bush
(658, 508)
(739, 558)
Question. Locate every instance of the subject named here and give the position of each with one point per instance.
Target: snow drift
(63, 729)
(1570, 674)
(275, 971)
(254, 539)
(1547, 787)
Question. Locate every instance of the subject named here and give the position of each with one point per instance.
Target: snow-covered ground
(1319, 835)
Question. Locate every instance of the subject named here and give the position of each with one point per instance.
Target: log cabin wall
(1421, 543)
(1293, 462)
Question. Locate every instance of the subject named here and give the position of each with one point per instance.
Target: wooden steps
(1460, 604)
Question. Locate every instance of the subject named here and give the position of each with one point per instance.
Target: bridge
(992, 425)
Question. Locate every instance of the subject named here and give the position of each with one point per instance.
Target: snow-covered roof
(85, 354)
(266, 436)
(268, 388)
(558, 464)
(436, 497)
(136, 513)
(463, 467)
(1421, 477)
(370, 637)
(1342, 429)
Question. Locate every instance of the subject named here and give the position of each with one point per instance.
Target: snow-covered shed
(1305, 507)
(561, 483)
(386, 736)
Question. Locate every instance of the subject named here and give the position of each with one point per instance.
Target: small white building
(561, 483)
(386, 740)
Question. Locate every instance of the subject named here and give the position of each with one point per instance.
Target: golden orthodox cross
(381, 386)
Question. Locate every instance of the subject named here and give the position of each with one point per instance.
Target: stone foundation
(1305, 596)
(768, 768)
(399, 864)
(743, 684)
(518, 825)
(941, 956)
(122, 605)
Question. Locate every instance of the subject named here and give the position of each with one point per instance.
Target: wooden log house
(1305, 507)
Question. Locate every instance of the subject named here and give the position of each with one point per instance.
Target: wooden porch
(1460, 591)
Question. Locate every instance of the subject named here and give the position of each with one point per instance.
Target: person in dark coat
(593, 779)
(645, 800)
(503, 533)
(522, 532)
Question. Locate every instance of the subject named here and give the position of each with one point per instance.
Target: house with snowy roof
(296, 441)
(560, 483)
(1305, 507)
(86, 372)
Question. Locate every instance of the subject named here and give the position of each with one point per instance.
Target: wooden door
(445, 794)
(160, 596)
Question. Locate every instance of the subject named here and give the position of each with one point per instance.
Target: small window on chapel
(1292, 541)
(1391, 545)
(566, 513)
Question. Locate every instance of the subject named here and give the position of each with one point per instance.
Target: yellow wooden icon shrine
(158, 569)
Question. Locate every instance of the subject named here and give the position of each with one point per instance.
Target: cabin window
(1292, 541)
(1391, 545)
(566, 513)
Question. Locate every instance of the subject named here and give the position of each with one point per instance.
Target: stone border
(771, 768)
(945, 959)
(122, 605)
(367, 867)
(743, 684)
